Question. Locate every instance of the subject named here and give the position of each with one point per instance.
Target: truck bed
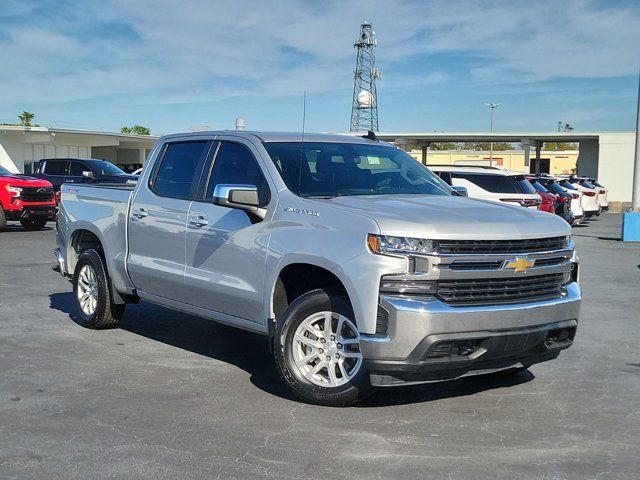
(103, 209)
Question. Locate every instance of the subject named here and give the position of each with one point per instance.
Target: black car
(80, 170)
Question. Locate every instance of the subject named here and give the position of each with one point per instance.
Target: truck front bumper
(428, 340)
(27, 211)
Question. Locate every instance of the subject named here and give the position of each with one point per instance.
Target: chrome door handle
(139, 213)
(198, 221)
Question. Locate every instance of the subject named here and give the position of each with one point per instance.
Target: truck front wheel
(92, 293)
(317, 350)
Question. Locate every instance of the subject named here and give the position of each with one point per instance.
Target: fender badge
(302, 211)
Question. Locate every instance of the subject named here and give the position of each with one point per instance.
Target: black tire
(3, 219)
(33, 223)
(107, 314)
(356, 389)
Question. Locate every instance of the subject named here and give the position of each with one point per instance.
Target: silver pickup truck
(362, 267)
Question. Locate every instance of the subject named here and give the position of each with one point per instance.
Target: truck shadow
(17, 228)
(250, 352)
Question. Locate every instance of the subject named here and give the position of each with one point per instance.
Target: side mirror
(88, 174)
(460, 191)
(242, 197)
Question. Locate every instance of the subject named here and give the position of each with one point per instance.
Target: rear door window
(56, 167)
(77, 168)
(490, 183)
(178, 172)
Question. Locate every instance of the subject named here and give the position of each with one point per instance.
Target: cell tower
(364, 108)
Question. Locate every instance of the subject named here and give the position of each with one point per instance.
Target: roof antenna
(370, 136)
(304, 118)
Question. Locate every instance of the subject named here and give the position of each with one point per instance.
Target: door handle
(139, 213)
(198, 220)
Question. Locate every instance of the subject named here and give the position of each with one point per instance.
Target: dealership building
(607, 156)
(21, 147)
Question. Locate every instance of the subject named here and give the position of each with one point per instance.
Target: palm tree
(25, 119)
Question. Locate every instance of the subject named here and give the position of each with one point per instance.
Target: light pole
(635, 199)
(492, 106)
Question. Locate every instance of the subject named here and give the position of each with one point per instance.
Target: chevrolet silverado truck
(28, 200)
(362, 267)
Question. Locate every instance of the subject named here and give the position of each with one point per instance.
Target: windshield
(555, 188)
(319, 169)
(567, 185)
(586, 184)
(106, 168)
(538, 186)
(4, 172)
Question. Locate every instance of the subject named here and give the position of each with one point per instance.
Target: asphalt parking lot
(170, 395)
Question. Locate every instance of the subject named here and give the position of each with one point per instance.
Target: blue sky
(173, 65)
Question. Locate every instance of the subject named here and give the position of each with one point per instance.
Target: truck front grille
(42, 194)
(494, 291)
(496, 265)
(454, 247)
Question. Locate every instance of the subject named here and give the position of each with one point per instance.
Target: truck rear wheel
(3, 219)
(33, 223)
(92, 293)
(317, 350)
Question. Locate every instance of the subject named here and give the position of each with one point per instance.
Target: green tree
(135, 130)
(559, 146)
(25, 119)
(486, 146)
(443, 146)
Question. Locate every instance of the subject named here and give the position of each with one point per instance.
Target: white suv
(490, 183)
(589, 199)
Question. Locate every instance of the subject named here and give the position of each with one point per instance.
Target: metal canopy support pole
(631, 219)
(424, 153)
(538, 148)
(526, 144)
(635, 198)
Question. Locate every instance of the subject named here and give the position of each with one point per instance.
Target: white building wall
(615, 165)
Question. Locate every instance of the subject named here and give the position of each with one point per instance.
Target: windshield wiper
(321, 197)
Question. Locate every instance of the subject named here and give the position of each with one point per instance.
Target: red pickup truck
(28, 200)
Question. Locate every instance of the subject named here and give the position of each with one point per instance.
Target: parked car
(80, 170)
(589, 199)
(25, 199)
(548, 199)
(567, 204)
(601, 192)
(490, 183)
(576, 202)
(360, 265)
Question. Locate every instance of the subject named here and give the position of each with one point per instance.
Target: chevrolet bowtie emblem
(519, 264)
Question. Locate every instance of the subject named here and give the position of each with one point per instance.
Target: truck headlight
(387, 244)
(14, 190)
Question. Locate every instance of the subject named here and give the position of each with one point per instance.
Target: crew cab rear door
(227, 248)
(158, 219)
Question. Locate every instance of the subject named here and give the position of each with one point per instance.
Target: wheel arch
(86, 237)
(300, 276)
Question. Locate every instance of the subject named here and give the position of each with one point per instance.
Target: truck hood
(24, 181)
(453, 218)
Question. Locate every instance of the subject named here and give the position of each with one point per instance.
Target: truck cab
(362, 267)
